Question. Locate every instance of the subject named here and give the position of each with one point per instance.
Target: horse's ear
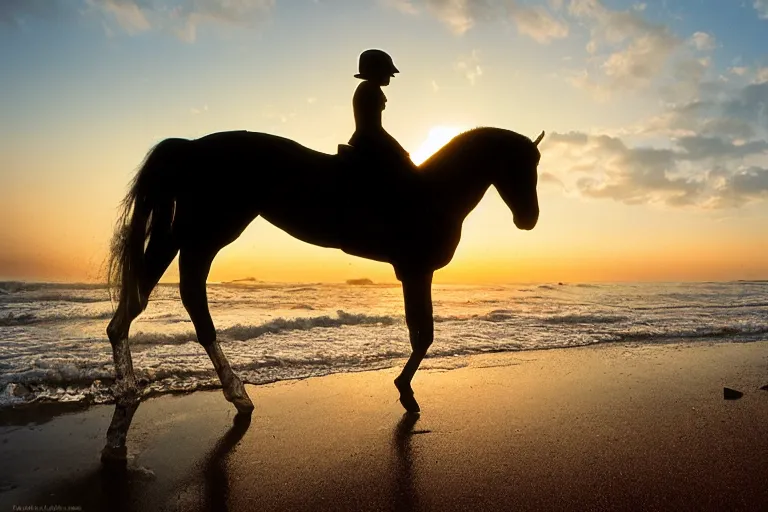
(538, 139)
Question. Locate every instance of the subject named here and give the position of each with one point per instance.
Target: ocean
(53, 345)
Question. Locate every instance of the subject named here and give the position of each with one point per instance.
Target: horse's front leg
(417, 293)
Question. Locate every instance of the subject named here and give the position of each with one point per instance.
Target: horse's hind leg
(194, 265)
(159, 254)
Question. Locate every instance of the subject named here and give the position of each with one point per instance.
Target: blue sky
(656, 112)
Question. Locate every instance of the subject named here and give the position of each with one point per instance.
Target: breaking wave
(740, 332)
(13, 320)
(702, 306)
(585, 319)
(53, 297)
(17, 286)
(241, 332)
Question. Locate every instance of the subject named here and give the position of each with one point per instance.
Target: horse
(194, 197)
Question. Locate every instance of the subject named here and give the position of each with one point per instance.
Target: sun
(437, 138)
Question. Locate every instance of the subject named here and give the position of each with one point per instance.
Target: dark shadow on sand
(404, 494)
(215, 474)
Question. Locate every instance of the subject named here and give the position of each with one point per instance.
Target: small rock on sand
(732, 394)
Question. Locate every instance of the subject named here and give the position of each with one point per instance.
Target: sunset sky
(654, 167)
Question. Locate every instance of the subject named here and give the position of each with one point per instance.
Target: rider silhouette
(370, 138)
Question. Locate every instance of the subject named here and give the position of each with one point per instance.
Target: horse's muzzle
(527, 223)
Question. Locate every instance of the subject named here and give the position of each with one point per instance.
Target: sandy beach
(609, 427)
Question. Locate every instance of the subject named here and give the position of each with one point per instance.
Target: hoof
(243, 405)
(409, 403)
(114, 458)
(236, 393)
(406, 397)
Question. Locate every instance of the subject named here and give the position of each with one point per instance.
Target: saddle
(345, 149)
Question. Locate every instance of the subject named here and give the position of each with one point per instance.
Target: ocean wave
(20, 319)
(13, 320)
(360, 282)
(11, 298)
(241, 332)
(90, 381)
(498, 315)
(19, 286)
(264, 285)
(702, 306)
(93, 384)
(585, 319)
(702, 333)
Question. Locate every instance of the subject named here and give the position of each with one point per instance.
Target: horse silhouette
(193, 197)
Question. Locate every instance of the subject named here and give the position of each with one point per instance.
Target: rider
(375, 70)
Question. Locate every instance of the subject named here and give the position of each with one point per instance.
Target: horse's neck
(462, 176)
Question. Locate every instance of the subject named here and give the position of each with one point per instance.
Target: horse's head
(516, 179)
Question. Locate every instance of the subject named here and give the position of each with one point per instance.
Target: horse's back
(257, 142)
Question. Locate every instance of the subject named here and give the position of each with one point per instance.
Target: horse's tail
(147, 208)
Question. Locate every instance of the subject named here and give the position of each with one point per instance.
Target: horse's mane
(470, 138)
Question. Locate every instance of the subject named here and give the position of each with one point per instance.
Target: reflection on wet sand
(136, 488)
(404, 494)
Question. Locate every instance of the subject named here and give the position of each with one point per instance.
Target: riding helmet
(375, 63)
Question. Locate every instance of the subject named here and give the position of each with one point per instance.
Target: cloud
(538, 24)
(719, 109)
(197, 111)
(752, 182)
(762, 9)
(756, 74)
(711, 152)
(750, 104)
(404, 6)
(745, 186)
(130, 15)
(703, 41)
(739, 70)
(181, 17)
(628, 51)
(685, 77)
(14, 12)
(548, 178)
(469, 66)
(640, 62)
(716, 148)
(606, 167)
(184, 18)
(460, 16)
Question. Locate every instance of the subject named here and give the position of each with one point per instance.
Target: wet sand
(596, 428)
